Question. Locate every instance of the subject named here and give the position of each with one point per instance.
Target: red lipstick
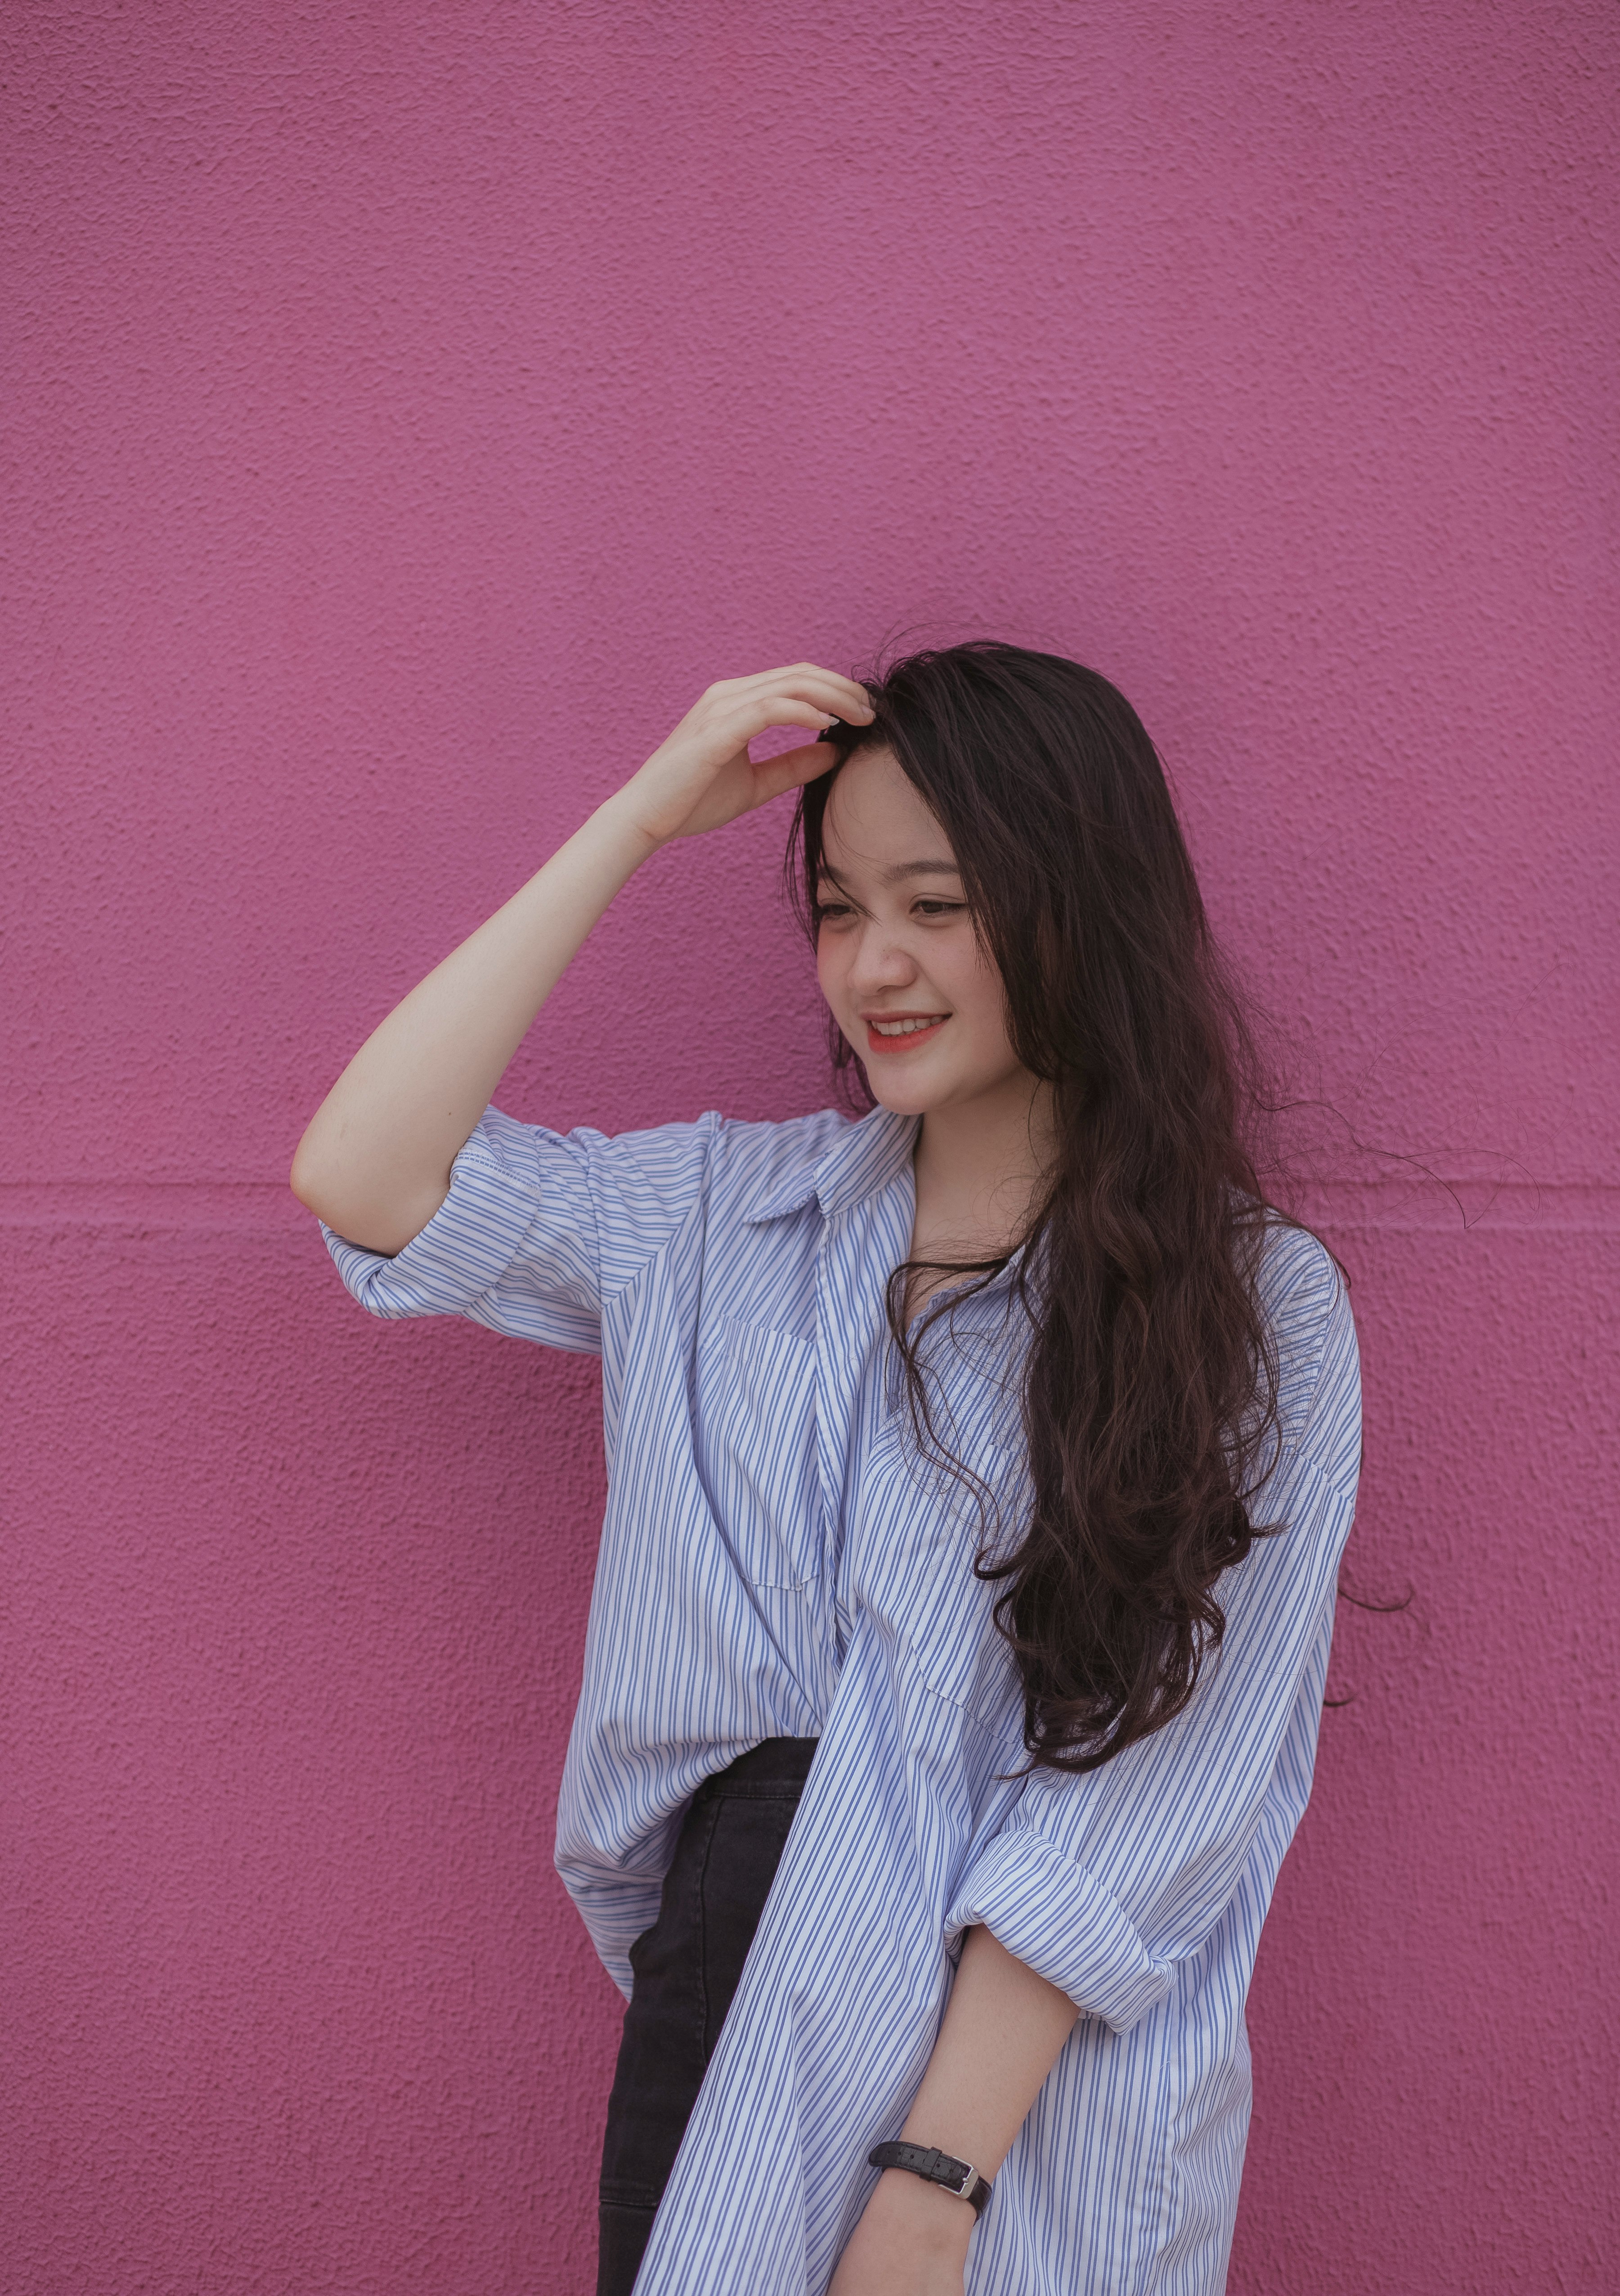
(880, 1046)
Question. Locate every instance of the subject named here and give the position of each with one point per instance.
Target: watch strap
(935, 2168)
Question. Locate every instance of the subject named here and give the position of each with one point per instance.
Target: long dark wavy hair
(1150, 1392)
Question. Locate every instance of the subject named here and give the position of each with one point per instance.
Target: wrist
(617, 820)
(934, 2220)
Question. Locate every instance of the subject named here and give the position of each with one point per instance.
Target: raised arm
(374, 1163)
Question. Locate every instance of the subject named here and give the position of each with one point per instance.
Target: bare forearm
(375, 1160)
(999, 2039)
(999, 2036)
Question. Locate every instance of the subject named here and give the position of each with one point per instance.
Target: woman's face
(896, 954)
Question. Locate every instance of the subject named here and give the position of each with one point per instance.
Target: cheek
(973, 985)
(829, 970)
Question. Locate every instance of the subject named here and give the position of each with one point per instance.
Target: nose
(881, 961)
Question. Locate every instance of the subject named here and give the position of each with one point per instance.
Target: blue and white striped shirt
(777, 1561)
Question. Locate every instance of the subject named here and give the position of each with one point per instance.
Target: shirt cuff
(1053, 1916)
(465, 1247)
(614, 1918)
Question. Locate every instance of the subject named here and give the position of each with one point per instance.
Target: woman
(997, 1450)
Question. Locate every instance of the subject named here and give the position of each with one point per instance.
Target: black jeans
(686, 1967)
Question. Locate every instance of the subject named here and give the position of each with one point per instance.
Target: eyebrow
(903, 869)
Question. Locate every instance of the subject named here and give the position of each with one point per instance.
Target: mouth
(888, 1033)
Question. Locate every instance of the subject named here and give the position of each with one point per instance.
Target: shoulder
(1306, 1302)
(1299, 1284)
(731, 1166)
(767, 1168)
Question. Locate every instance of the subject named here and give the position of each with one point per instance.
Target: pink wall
(409, 407)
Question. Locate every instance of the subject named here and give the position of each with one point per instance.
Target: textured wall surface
(408, 408)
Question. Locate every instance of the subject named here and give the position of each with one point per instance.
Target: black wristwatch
(958, 2177)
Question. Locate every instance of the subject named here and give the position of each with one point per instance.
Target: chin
(903, 1098)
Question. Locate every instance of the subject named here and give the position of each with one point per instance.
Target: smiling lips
(901, 1032)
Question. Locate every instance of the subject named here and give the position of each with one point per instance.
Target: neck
(979, 1167)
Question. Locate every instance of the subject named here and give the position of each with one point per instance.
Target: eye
(930, 905)
(832, 912)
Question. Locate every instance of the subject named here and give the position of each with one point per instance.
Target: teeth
(907, 1028)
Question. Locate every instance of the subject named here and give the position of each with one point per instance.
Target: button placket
(859, 1248)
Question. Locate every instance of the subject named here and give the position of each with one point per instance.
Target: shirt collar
(863, 1159)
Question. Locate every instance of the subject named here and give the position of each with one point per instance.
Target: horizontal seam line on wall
(268, 1205)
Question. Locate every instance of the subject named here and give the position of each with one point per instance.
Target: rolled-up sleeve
(538, 1229)
(1104, 1883)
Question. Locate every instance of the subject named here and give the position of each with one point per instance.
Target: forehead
(876, 819)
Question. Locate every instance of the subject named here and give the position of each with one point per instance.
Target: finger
(832, 701)
(809, 680)
(850, 698)
(763, 710)
(791, 769)
(838, 696)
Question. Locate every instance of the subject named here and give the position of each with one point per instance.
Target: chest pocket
(924, 1584)
(757, 1426)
